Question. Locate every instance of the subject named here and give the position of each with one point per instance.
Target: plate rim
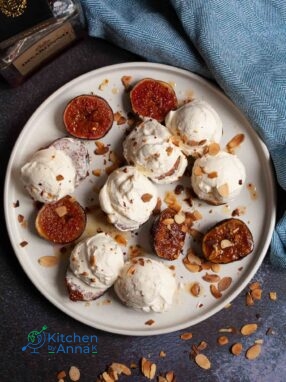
(271, 213)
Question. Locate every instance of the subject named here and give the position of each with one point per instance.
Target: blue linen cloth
(239, 44)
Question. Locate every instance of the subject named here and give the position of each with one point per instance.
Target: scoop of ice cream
(196, 124)
(77, 151)
(128, 198)
(218, 178)
(49, 175)
(150, 149)
(146, 284)
(97, 261)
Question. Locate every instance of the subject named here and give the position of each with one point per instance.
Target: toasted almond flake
(150, 322)
(119, 118)
(171, 200)
(103, 84)
(120, 368)
(162, 379)
(214, 291)
(146, 197)
(191, 267)
(202, 345)
(226, 244)
(126, 82)
(110, 169)
(213, 148)
(193, 258)
(234, 143)
(179, 218)
(223, 190)
(169, 150)
(236, 348)
(195, 289)
(59, 178)
(48, 261)
(133, 365)
(106, 377)
(196, 215)
(226, 330)
(224, 283)
(157, 209)
(170, 376)
(202, 361)
(131, 270)
(260, 341)
(162, 354)
(61, 211)
(198, 171)
(273, 296)
(101, 148)
(249, 300)
(222, 340)
(96, 172)
(74, 373)
(248, 329)
(254, 285)
(212, 175)
(186, 336)
(215, 267)
(168, 221)
(148, 368)
(253, 352)
(211, 278)
(20, 218)
(61, 374)
(256, 294)
(120, 239)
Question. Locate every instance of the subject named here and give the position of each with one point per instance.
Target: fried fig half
(88, 117)
(61, 222)
(168, 236)
(153, 98)
(229, 240)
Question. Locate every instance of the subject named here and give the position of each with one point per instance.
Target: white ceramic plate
(107, 313)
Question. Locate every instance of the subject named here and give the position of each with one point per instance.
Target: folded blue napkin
(239, 44)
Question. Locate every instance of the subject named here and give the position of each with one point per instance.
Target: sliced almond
(225, 244)
(101, 148)
(248, 329)
(236, 348)
(61, 374)
(203, 361)
(126, 82)
(168, 221)
(215, 267)
(170, 376)
(273, 296)
(256, 294)
(191, 267)
(148, 368)
(162, 354)
(61, 211)
(254, 285)
(146, 197)
(195, 289)
(223, 190)
(214, 291)
(120, 239)
(211, 278)
(224, 283)
(96, 172)
(120, 368)
(212, 175)
(119, 118)
(186, 336)
(193, 258)
(222, 340)
(248, 299)
(48, 261)
(253, 352)
(59, 178)
(234, 143)
(213, 148)
(107, 378)
(179, 218)
(202, 345)
(74, 373)
(198, 171)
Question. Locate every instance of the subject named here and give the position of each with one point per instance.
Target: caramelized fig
(227, 241)
(168, 235)
(88, 117)
(153, 98)
(61, 222)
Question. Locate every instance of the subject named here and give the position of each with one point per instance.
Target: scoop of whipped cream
(196, 125)
(150, 149)
(218, 178)
(97, 261)
(147, 285)
(128, 198)
(49, 175)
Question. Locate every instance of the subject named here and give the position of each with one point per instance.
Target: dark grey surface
(23, 308)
